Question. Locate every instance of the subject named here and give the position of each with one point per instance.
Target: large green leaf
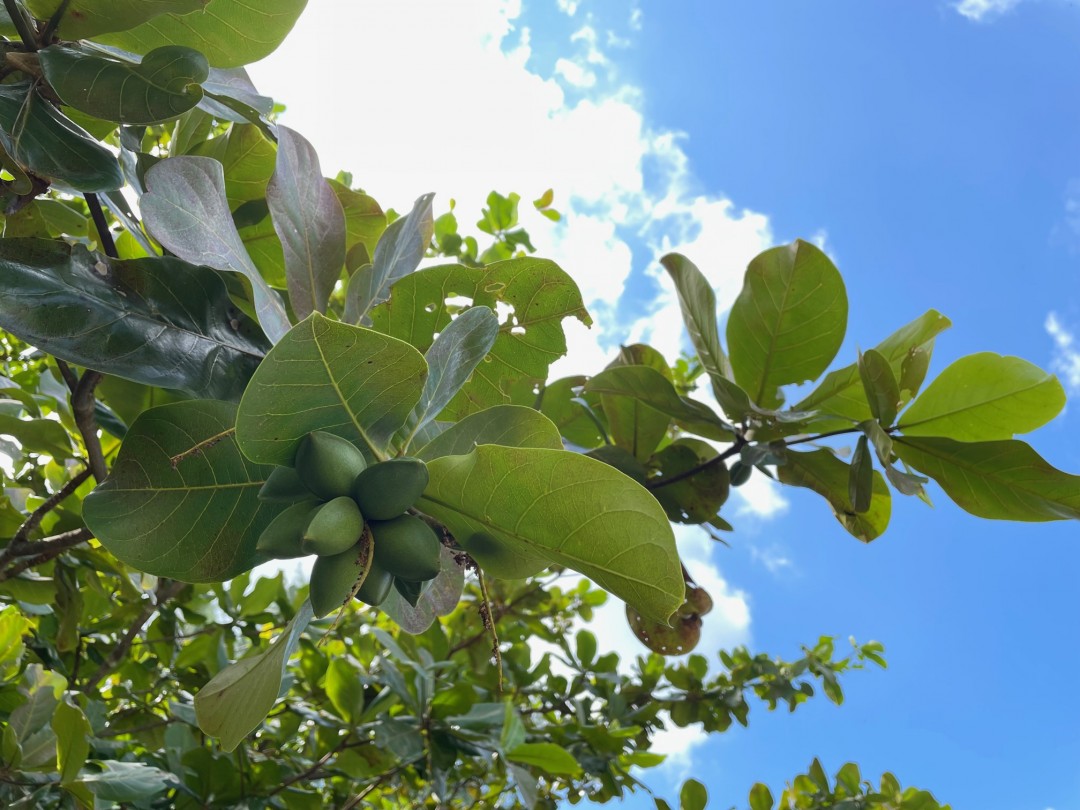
(46, 143)
(87, 18)
(247, 161)
(164, 85)
(1000, 480)
(365, 221)
(181, 500)
(841, 392)
(439, 598)
(230, 33)
(698, 497)
(788, 322)
(239, 697)
(530, 339)
(309, 222)
(158, 321)
(649, 386)
(983, 397)
(565, 403)
(509, 425)
(326, 375)
(880, 386)
(451, 359)
(566, 508)
(399, 251)
(828, 476)
(185, 208)
(698, 304)
(232, 85)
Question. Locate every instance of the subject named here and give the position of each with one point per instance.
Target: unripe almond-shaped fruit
(376, 586)
(385, 490)
(410, 591)
(282, 538)
(283, 485)
(406, 547)
(328, 464)
(334, 577)
(334, 527)
(740, 473)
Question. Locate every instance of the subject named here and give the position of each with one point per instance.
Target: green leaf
(181, 500)
(650, 387)
(761, 797)
(239, 697)
(880, 385)
(439, 598)
(164, 85)
(248, 160)
(983, 397)
(999, 480)
(698, 304)
(185, 209)
(88, 18)
(548, 757)
(693, 795)
(696, 498)
(861, 477)
(788, 322)
(72, 744)
(233, 85)
(451, 360)
(46, 143)
(633, 425)
(345, 689)
(230, 33)
(509, 425)
(828, 476)
(12, 627)
(575, 417)
(38, 436)
(530, 339)
(127, 781)
(365, 221)
(542, 503)
(398, 253)
(168, 323)
(841, 393)
(326, 375)
(309, 222)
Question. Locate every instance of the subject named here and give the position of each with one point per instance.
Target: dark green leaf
(1000, 480)
(185, 209)
(788, 322)
(983, 397)
(326, 375)
(542, 503)
(87, 18)
(509, 425)
(309, 222)
(439, 598)
(181, 500)
(880, 385)
(233, 83)
(165, 84)
(398, 253)
(230, 33)
(698, 497)
(126, 781)
(861, 477)
(46, 143)
(828, 476)
(162, 322)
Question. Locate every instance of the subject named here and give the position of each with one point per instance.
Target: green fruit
(410, 591)
(385, 490)
(496, 558)
(282, 538)
(328, 464)
(740, 473)
(334, 577)
(335, 527)
(406, 547)
(283, 485)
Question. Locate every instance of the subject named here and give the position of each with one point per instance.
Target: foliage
(164, 360)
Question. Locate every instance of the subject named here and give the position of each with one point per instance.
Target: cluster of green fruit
(354, 517)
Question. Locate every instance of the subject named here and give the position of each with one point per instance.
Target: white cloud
(1066, 361)
(574, 73)
(568, 7)
(983, 9)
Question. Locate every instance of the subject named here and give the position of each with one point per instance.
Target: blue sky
(934, 151)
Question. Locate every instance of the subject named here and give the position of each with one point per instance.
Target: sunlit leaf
(87, 18)
(828, 476)
(509, 425)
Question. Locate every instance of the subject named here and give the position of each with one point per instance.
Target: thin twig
(22, 25)
(299, 777)
(489, 623)
(82, 405)
(165, 591)
(35, 518)
(70, 377)
(657, 483)
(54, 21)
(42, 551)
(363, 794)
(108, 246)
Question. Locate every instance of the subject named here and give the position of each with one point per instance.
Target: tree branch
(656, 483)
(38, 514)
(41, 551)
(165, 591)
(22, 25)
(82, 404)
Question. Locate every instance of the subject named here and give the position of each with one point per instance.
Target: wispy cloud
(984, 9)
(1066, 361)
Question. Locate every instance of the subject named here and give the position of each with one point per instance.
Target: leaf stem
(108, 246)
(22, 25)
(489, 624)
